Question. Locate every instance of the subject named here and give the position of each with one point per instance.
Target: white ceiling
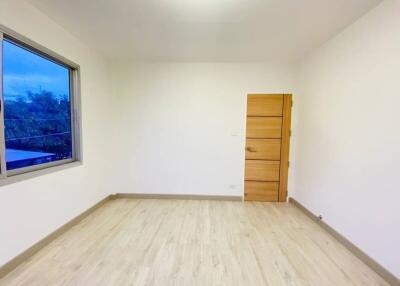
(205, 30)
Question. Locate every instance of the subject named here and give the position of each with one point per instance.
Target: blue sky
(25, 71)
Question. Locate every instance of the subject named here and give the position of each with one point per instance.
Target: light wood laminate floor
(178, 242)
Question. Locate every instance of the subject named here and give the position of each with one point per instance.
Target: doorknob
(249, 149)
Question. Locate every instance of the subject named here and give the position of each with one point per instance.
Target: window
(38, 123)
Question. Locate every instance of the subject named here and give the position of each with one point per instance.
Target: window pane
(37, 108)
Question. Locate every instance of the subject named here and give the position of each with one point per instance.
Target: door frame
(285, 147)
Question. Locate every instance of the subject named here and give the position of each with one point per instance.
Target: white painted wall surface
(348, 134)
(182, 126)
(32, 209)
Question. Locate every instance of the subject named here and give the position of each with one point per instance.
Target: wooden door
(267, 147)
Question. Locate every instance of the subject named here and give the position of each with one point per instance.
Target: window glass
(37, 108)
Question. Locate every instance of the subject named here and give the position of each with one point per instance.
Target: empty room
(199, 142)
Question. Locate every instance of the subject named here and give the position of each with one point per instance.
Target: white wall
(182, 125)
(32, 209)
(348, 134)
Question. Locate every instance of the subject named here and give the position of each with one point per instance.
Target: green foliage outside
(39, 122)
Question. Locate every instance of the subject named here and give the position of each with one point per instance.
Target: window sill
(37, 173)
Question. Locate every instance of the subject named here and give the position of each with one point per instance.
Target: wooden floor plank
(178, 242)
